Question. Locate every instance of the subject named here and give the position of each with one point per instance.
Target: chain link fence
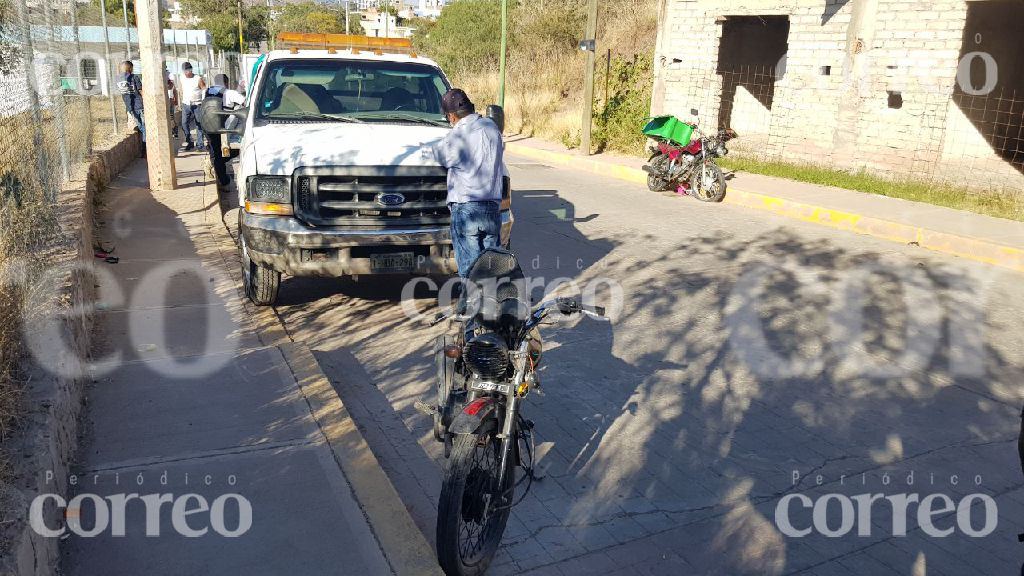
(58, 100)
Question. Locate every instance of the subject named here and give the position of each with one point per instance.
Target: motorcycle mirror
(497, 114)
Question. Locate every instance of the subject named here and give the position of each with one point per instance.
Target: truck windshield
(326, 90)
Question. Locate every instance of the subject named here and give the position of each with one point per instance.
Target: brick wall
(866, 84)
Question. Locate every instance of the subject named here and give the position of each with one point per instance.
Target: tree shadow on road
(775, 356)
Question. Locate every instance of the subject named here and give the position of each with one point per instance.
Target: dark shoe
(188, 146)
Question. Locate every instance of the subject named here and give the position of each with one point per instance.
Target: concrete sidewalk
(186, 399)
(982, 238)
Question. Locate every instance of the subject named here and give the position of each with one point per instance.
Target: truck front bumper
(288, 245)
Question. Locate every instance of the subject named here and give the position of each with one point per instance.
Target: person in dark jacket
(129, 85)
(230, 99)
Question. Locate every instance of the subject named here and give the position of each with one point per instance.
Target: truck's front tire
(261, 283)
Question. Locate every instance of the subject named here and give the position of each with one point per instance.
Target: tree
(220, 18)
(114, 12)
(313, 17)
(465, 36)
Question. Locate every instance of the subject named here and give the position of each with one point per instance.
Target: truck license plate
(398, 262)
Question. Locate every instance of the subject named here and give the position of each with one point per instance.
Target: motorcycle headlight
(487, 356)
(270, 195)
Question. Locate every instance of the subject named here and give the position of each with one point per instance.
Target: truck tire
(262, 284)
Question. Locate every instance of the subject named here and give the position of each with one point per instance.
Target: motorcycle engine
(681, 165)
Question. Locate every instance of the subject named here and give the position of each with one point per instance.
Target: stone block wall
(49, 437)
(865, 84)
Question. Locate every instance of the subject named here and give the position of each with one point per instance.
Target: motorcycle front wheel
(708, 183)
(473, 509)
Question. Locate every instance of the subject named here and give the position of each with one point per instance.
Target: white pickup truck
(336, 175)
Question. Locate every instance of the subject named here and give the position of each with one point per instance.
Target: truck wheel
(261, 283)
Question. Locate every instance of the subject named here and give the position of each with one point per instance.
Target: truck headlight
(269, 195)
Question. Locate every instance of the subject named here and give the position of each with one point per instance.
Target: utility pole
(387, 19)
(504, 52)
(127, 34)
(270, 22)
(590, 46)
(241, 38)
(347, 28)
(160, 154)
(106, 56)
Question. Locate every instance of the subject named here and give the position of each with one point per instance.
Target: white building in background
(384, 25)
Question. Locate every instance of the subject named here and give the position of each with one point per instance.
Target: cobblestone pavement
(753, 357)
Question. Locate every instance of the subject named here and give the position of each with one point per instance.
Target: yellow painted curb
(963, 246)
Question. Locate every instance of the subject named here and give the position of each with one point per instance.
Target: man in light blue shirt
(473, 154)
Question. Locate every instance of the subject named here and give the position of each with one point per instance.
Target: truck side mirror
(497, 114)
(214, 119)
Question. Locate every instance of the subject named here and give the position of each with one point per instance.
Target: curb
(404, 547)
(991, 253)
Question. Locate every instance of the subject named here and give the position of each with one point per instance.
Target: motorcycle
(686, 164)
(485, 370)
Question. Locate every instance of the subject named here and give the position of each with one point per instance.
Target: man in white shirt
(193, 89)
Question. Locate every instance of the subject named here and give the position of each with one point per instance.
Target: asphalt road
(747, 350)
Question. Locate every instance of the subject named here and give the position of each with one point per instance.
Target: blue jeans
(137, 114)
(189, 119)
(476, 226)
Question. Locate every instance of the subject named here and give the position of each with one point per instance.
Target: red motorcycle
(686, 164)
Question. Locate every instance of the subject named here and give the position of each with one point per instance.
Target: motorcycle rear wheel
(708, 183)
(656, 183)
(473, 510)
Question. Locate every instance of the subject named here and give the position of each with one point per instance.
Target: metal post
(160, 154)
(177, 64)
(127, 34)
(28, 65)
(588, 84)
(607, 76)
(199, 58)
(59, 105)
(347, 25)
(241, 38)
(106, 55)
(78, 76)
(504, 52)
(270, 22)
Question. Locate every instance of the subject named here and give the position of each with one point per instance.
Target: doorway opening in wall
(750, 61)
(985, 127)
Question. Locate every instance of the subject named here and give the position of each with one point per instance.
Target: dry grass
(544, 91)
(28, 226)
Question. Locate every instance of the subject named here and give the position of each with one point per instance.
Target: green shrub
(618, 122)
(467, 37)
